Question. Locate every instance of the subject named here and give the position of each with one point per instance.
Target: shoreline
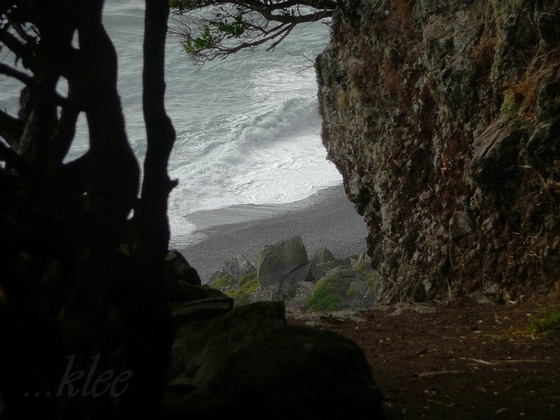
(327, 218)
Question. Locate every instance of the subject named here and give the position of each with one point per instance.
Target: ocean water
(248, 128)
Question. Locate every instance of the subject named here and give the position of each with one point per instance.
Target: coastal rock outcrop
(443, 116)
(276, 261)
(285, 273)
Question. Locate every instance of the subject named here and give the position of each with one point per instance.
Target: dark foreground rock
(248, 361)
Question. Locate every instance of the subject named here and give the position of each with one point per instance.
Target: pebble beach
(326, 219)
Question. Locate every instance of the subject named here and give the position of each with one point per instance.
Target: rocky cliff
(443, 118)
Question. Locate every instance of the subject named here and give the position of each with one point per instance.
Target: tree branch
(282, 37)
(11, 128)
(16, 162)
(32, 83)
(65, 132)
(19, 49)
(209, 36)
(150, 324)
(185, 5)
(276, 32)
(74, 174)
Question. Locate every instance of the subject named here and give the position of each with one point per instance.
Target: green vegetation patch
(545, 323)
(222, 283)
(371, 283)
(333, 284)
(325, 297)
(510, 109)
(248, 284)
(362, 268)
(323, 300)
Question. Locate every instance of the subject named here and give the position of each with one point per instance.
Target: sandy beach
(327, 219)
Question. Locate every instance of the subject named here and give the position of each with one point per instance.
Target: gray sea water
(248, 128)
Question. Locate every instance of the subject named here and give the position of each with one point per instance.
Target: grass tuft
(544, 324)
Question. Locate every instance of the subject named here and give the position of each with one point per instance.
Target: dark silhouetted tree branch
(81, 276)
(217, 28)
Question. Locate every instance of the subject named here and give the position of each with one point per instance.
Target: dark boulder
(248, 361)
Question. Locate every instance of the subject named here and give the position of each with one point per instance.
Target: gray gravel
(327, 219)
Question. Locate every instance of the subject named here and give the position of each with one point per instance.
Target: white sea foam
(248, 129)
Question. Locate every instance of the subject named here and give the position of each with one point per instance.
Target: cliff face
(443, 117)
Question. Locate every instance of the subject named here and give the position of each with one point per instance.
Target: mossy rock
(224, 283)
(333, 284)
(248, 284)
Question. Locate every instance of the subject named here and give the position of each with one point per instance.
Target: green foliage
(249, 280)
(222, 283)
(323, 300)
(501, 339)
(324, 297)
(231, 30)
(329, 283)
(544, 324)
(248, 284)
(213, 33)
(510, 109)
(240, 292)
(217, 28)
(371, 283)
(205, 41)
(362, 267)
(177, 5)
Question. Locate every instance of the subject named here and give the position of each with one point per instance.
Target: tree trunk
(92, 315)
(105, 309)
(150, 320)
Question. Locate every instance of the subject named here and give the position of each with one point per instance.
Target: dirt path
(459, 359)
